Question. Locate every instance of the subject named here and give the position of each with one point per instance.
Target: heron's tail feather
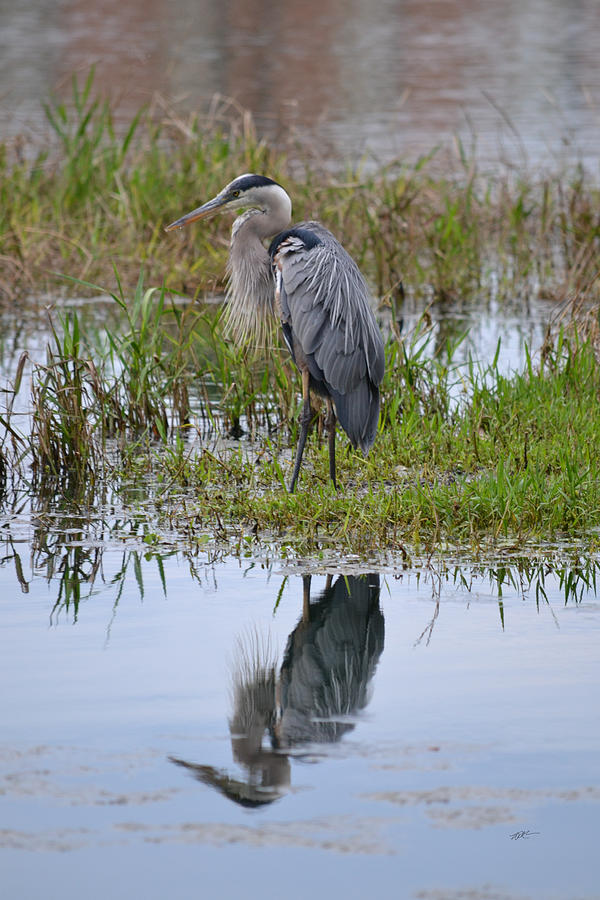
(358, 414)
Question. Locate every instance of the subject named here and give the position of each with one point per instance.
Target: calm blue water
(392, 743)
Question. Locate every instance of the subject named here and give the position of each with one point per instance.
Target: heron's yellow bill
(200, 213)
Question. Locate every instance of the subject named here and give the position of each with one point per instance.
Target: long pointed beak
(205, 210)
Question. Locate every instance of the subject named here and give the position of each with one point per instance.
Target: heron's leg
(331, 423)
(306, 599)
(304, 420)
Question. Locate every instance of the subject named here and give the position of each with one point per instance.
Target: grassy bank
(464, 455)
(519, 460)
(157, 406)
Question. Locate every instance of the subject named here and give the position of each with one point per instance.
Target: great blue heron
(316, 288)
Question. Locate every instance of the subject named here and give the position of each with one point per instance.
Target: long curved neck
(249, 264)
(266, 221)
(250, 292)
(276, 214)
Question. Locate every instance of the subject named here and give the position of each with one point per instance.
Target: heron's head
(245, 191)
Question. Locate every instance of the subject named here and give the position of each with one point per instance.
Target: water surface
(183, 728)
(518, 83)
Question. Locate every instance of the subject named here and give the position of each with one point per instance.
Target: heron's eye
(235, 193)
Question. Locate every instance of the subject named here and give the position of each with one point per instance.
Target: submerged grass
(464, 454)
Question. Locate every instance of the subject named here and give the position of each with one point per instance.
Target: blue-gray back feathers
(327, 317)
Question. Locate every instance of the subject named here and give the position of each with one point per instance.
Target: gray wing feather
(358, 413)
(326, 303)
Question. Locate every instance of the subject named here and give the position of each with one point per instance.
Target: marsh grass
(464, 454)
(96, 197)
(517, 459)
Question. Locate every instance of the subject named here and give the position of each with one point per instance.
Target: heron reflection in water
(324, 678)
